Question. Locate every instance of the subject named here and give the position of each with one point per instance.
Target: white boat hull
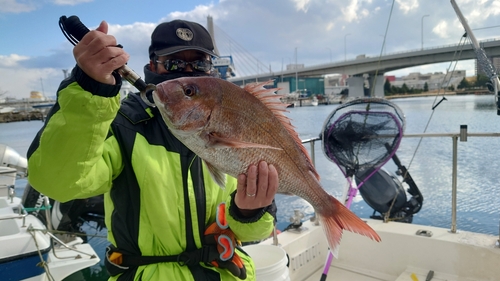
(25, 246)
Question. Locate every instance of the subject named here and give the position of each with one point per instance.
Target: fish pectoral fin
(217, 141)
(218, 176)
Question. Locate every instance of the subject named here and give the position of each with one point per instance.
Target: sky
(261, 35)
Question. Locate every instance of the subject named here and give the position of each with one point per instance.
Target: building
(435, 81)
(495, 61)
(310, 85)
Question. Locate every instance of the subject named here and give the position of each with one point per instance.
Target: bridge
(375, 67)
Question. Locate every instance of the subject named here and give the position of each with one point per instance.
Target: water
(478, 204)
(431, 168)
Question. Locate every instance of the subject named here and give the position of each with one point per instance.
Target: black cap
(180, 35)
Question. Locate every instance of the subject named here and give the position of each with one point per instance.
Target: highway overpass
(383, 64)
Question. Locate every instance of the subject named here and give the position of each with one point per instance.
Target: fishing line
(347, 203)
(378, 67)
(382, 50)
(372, 94)
(486, 27)
(460, 46)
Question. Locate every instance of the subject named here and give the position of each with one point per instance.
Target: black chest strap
(117, 262)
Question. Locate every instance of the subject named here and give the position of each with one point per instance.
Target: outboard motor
(10, 158)
(12, 166)
(385, 194)
(68, 216)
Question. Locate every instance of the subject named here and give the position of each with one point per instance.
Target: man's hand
(98, 56)
(256, 189)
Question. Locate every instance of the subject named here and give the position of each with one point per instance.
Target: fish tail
(337, 217)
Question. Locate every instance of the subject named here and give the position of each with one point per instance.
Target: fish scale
(231, 128)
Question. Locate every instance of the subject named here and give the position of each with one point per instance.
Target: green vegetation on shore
(471, 85)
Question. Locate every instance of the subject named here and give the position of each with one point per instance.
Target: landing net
(363, 134)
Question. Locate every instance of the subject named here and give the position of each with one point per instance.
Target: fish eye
(190, 90)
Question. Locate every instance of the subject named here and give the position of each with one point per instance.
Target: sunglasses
(177, 65)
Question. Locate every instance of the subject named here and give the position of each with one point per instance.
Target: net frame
(362, 107)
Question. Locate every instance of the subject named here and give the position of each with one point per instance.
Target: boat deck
(336, 274)
(403, 255)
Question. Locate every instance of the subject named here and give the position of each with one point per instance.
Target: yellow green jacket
(159, 197)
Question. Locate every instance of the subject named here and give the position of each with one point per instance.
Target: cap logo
(184, 33)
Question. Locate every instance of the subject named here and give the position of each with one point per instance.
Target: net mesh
(362, 134)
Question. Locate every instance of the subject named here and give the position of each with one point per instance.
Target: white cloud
(354, 11)
(364, 12)
(441, 29)
(351, 11)
(25, 6)
(70, 2)
(263, 34)
(135, 39)
(302, 5)
(200, 11)
(16, 6)
(330, 26)
(45, 80)
(11, 60)
(495, 8)
(407, 5)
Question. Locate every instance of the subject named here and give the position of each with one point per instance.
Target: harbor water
(428, 160)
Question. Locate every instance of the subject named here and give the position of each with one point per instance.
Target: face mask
(155, 78)
(174, 75)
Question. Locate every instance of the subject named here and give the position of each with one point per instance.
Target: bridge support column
(360, 86)
(356, 86)
(377, 82)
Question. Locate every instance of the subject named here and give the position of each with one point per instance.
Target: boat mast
(482, 58)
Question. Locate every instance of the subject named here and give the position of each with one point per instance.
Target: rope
(42, 262)
(69, 233)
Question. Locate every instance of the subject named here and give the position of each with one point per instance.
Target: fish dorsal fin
(269, 98)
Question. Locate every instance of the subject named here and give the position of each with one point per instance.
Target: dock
(24, 110)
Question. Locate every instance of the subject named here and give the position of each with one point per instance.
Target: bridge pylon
(362, 85)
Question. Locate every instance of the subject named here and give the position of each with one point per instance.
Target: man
(160, 202)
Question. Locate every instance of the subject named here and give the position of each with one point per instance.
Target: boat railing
(23, 212)
(462, 135)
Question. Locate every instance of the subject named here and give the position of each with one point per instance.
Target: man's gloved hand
(218, 233)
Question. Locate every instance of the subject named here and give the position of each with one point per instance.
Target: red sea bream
(231, 127)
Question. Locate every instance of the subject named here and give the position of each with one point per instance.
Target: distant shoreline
(428, 94)
(432, 94)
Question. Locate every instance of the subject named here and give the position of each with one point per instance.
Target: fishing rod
(74, 30)
(482, 58)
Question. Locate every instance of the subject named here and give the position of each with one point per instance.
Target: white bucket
(270, 262)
